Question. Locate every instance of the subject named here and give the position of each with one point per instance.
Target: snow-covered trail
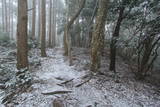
(54, 70)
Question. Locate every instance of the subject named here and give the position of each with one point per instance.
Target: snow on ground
(1, 96)
(100, 91)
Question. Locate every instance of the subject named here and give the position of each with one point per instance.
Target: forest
(79, 53)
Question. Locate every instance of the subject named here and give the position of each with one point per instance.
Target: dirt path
(54, 70)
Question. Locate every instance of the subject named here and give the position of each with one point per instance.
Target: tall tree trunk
(54, 23)
(43, 28)
(29, 18)
(12, 22)
(64, 39)
(22, 60)
(145, 56)
(50, 25)
(3, 19)
(67, 38)
(39, 21)
(90, 26)
(98, 35)
(77, 41)
(114, 40)
(6, 16)
(33, 18)
(9, 18)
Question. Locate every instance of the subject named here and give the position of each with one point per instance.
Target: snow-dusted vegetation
(75, 87)
(79, 53)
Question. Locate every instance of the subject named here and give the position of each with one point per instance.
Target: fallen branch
(83, 82)
(86, 76)
(56, 92)
(65, 82)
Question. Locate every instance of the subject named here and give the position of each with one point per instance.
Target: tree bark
(6, 16)
(3, 19)
(50, 25)
(12, 23)
(114, 40)
(43, 28)
(29, 18)
(33, 18)
(9, 18)
(54, 24)
(22, 48)
(39, 21)
(98, 35)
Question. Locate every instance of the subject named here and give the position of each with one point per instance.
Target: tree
(22, 48)
(39, 21)
(67, 38)
(123, 18)
(33, 18)
(12, 22)
(98, 35)
(53, 42)
(43, 28)
(50, 25)
(3, 19)
(9, 18)
(6, 16)
(30, 9)
(149, 39)
(115, 37)
(88, 17)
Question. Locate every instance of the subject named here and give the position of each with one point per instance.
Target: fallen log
(56, 92)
